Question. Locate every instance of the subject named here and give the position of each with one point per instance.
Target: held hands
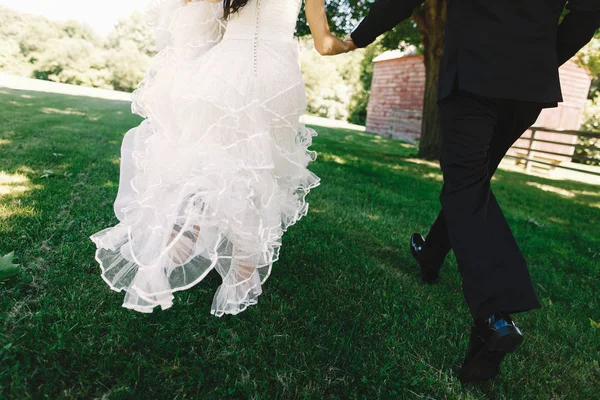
(326, 43)
(350, 42)
(332, 45)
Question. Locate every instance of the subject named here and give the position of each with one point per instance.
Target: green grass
(343, 315)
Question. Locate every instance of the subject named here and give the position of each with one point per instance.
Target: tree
(126, 66)
(73, 61)
(30, 33)
(431, 19)
(330, 82)
(77, 30)
(425, 30)
(133, 29)
(590, 58)
(131, 45)
(11, 58)
(588, 151)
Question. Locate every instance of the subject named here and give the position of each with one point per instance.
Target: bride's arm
(325, 42)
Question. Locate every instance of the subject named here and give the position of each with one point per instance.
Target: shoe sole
(486, 364)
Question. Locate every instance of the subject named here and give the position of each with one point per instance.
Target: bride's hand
(325, 42)
(350, 42)
(332, 45)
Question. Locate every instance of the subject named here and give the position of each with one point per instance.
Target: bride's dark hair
(233, 6)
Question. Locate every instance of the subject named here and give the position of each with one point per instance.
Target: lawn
(343, 316)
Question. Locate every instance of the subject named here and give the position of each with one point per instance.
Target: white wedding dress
(218, 170)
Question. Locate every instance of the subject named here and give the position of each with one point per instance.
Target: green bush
(126, 68)
(360, 98)
(12, 61)
(588, 150)
(133, 34)
(330, 81)
(73, 61)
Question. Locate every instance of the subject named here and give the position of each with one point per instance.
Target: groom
(498, 71)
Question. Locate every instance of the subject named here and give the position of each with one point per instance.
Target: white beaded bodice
(265, 20)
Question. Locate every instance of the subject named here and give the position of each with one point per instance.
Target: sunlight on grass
(431, 164)
(552, 189)
(587, 193)
(329, 123)
(557, 220)
(336, 159)
(18, 103)
(398, 167)
(8, 211)
(12, 184)
(41, 86)
(434, 176)
(68, 111)
(4, 141)
(394, 167)
(408, 145)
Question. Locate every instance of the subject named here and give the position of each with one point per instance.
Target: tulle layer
(213, 177)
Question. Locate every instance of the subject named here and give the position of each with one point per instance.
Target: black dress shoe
(491, 340)
(429, 271)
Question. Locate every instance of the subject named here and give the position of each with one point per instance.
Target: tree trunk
(430, 20)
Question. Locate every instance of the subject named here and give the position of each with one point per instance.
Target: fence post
(529, 150)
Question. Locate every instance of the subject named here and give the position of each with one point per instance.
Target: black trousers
(476, 134)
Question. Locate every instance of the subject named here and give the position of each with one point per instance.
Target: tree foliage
(71, 52)
(344, 16)
(133, 30)
(330, 82)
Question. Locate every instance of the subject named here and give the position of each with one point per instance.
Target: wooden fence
(534, 149)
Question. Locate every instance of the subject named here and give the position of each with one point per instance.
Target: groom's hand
(332, 46)
(351, 45)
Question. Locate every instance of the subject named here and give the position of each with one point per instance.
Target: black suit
(503, 49)
(499, 69)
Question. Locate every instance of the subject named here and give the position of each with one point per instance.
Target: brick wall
(396, 102)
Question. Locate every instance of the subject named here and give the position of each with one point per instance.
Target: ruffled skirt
(213, 177)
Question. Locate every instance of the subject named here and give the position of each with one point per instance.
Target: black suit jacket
(505, 49)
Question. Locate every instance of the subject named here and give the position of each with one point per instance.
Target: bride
(217, 171)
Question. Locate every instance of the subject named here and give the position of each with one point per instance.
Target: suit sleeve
(577, 28)
(383, 16)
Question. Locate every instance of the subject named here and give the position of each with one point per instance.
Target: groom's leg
(510, 127)
(495, 275)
